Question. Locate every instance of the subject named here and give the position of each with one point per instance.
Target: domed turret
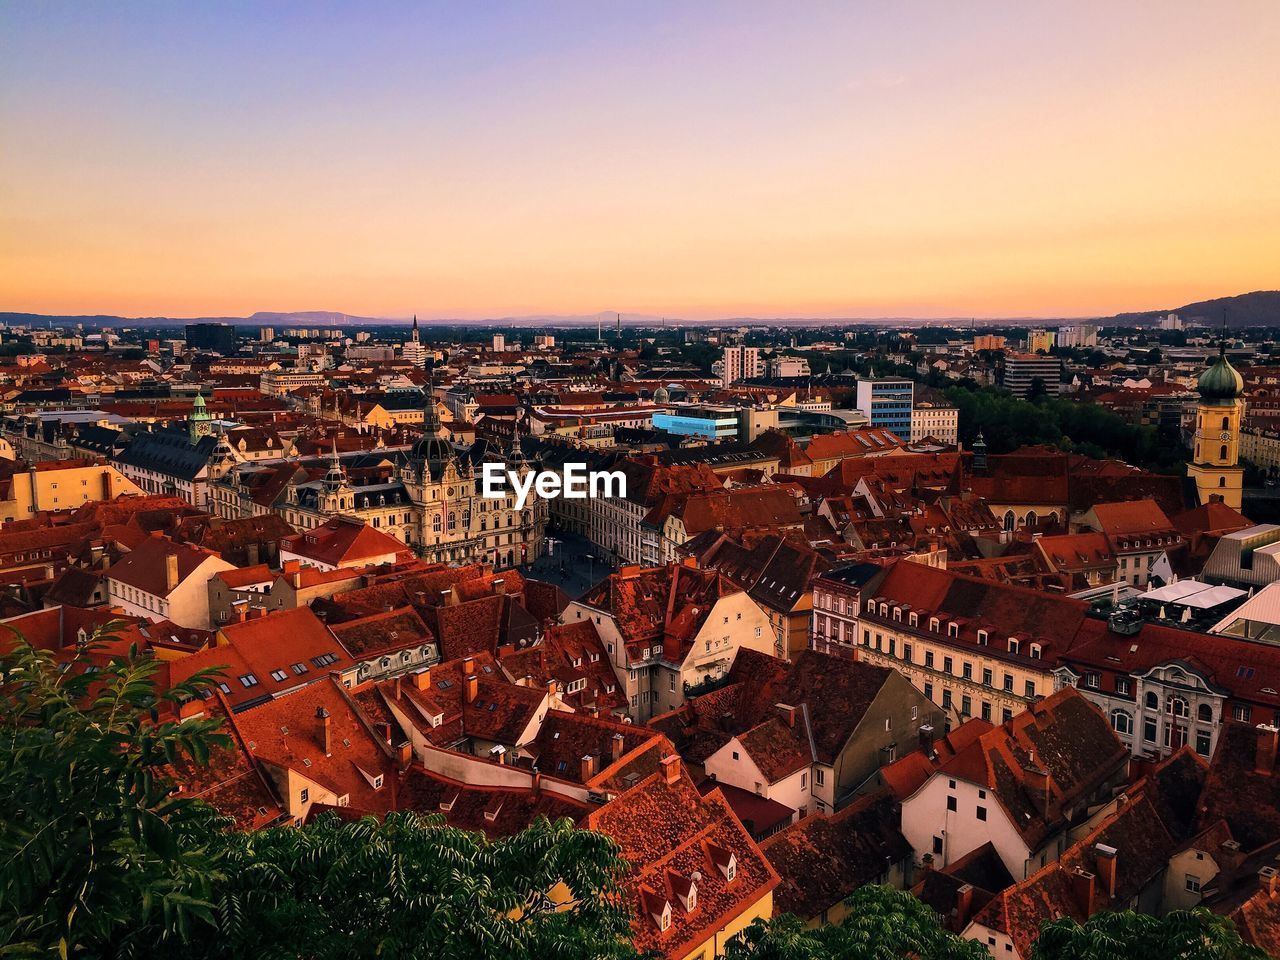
(431, 449)
(1221, 383)
(662, 395)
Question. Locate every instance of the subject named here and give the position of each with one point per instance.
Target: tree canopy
(1178, 935)
(883, 924)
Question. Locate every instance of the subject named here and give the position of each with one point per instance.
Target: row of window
(889, 645)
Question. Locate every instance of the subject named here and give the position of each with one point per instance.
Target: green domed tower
(1215, 461)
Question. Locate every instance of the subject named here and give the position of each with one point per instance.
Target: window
(1121, 722)
(987, 677)
(1092, 680)
(966, 705)
(304, 795)
(1240, 712)
(1122, 685)
(1202, 743)
(1192, 883)
(986, 710)
(1204, 713)
(249, 680)
(278, 676)
(1152, 701)
(946, 698)
(819, 776)
(928, 659)
(1177, 707)
(982, 813)
(948, 665)
(1008, 682)
(1029, 689)
(951, 803)
(966, 670)
(928, 690)
(906, 652)
(1149, 731)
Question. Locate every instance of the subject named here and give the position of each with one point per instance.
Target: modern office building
(888, 403)
(218, 337)
(1020, 371)
(700, 420)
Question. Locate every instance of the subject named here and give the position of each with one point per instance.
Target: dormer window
(1035, 651)
(933, 624)
(913, 619)
(897, 614)
(982, 637)
(1013, 644)
(953, 629)
(884, 609)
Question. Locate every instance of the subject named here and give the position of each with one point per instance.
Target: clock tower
(1215, 462)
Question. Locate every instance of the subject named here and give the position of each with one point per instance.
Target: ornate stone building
(432, 500)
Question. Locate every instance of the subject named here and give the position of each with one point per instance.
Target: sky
(901, 158)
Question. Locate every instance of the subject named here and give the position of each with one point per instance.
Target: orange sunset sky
(856, 159)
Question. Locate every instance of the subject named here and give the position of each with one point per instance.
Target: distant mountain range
(1258, 309)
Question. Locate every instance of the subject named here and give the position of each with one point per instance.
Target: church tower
(1215, 462)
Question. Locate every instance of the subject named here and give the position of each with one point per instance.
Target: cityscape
(801, 616)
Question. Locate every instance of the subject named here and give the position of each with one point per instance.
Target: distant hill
(1258, 309)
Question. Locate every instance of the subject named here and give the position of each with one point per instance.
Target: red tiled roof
(344, 542)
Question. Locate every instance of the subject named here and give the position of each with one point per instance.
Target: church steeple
(432, 450)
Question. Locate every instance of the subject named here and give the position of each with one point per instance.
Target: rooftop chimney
(615, 747)
(552, 687)
(468, 666)
(588, 767)
(964, 905)
(170, 571)
(671, 768)
(788, 713)
(1082, 884)
(1269, 881)
(1265, 757)
(500, 586)
(473, 687)
(1104, 862)
(325, 733)
(422, 679)
(404, 754)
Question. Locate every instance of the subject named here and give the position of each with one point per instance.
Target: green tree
(1180, 935)
(882, 924)
(413, 887)
(97, 855)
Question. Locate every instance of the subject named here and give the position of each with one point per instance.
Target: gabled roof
(288, 732)
(1043, 763)
(667, 833)
(344, 541)
(146, 567)
(821, 860)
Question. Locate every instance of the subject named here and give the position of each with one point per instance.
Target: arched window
(1205, 713)
(1009, 520)
(1052, 519)
(1153, 701)
(453, 521)
(435, 523)
(1031, 518)
(1222, 481)
(1121, 722)
(1177, 706)
(1222, 452)
(1226, 423)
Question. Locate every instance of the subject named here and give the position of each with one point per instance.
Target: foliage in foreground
(1179, 935)
(883, 924)
(98, 858)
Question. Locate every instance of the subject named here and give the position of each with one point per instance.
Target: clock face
(1225, 436)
